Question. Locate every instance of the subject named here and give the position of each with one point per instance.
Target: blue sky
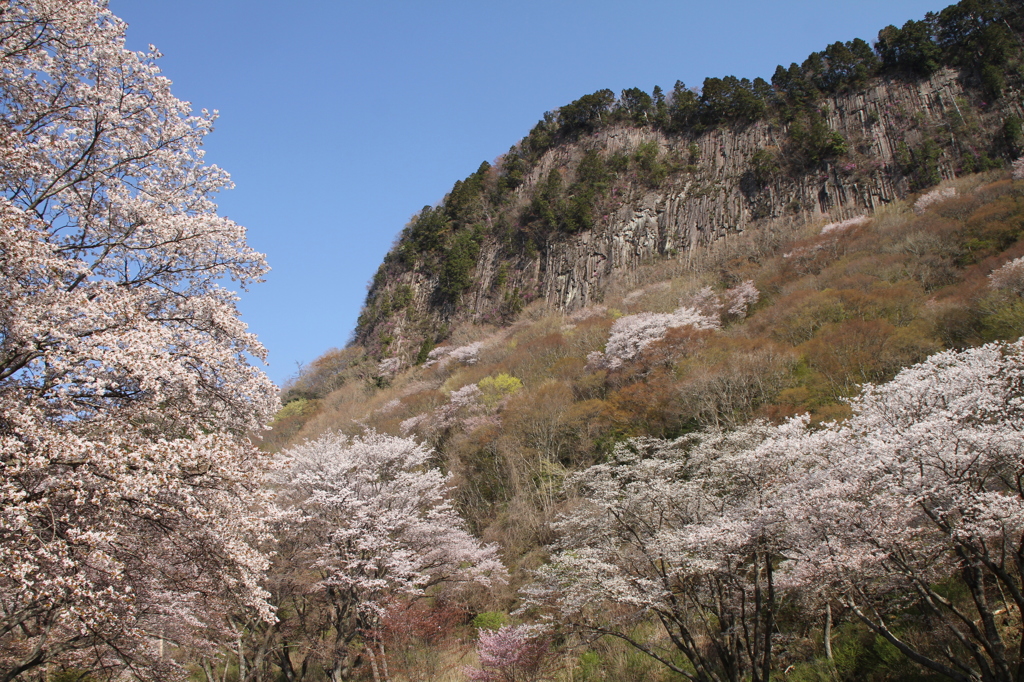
(340, 120)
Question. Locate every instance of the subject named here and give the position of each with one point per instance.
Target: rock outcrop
(715, 189)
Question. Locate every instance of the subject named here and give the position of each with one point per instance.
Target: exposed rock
(715, 198)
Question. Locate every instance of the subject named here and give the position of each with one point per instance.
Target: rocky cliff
(876, 144)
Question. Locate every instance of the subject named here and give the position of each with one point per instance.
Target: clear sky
(340, 119)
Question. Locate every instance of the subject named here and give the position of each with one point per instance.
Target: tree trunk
(284, 661)
(208, 670)
(241, 658)
(828, 631)
(769, 620)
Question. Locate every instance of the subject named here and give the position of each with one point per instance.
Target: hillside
(834, 305)
(794, 319)
(650, 275)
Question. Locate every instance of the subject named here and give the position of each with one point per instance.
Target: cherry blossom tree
(843, 225)
(512, 653)
(683, 530)
(379, 526)
(914, 509)
(705, 309)
(632, 333)
(1009, 277)
(933, 197)
(126, 394)
(739, 298)
(442, 355)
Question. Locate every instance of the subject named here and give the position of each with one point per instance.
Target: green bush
(490, 620)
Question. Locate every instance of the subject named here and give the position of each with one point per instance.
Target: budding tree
(375, 524)
(125, 390)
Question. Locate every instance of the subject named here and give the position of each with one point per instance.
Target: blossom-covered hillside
(728, 378)
(746, 335)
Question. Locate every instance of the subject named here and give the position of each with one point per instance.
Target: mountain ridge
(634, 184)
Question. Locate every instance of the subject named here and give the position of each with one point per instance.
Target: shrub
(490, 620)
(497, 388)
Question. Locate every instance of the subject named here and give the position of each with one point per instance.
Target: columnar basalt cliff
(668, 195)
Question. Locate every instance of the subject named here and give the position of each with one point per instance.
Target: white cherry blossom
(126, 394)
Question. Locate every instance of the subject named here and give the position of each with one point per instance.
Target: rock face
(714, 191)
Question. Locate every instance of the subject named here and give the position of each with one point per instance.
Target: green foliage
(920, 164)
(793, 87)
(585, 114)
(382, 302)
(993, 82)
(464, 205)
(1013, 135)
(812, 141)
(458, 264)
(427, 230)
(618, 162)
(541, 138)
(501, 276)
(661, 117)
(976, 33)
(910, 49)
(497, 388)
(842, 66)
(636, 106)
(650, 170)
(402, 297)
(511, 305)
(860, 654)
(295, 407)
(490, 620)
(555, 209)
(425, 348)
(733, 100)
(764, 164)
(693, 152)
(544, 211)
(1002, 318)
(684, 108)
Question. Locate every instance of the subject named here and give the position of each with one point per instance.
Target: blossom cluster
(705, 309)
(1009, 277)
(924, 479)
(377, 522)
(442, 355)
(469, 407)
(933, 197)
(389, 367)
(843, 225)
(512, 653)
